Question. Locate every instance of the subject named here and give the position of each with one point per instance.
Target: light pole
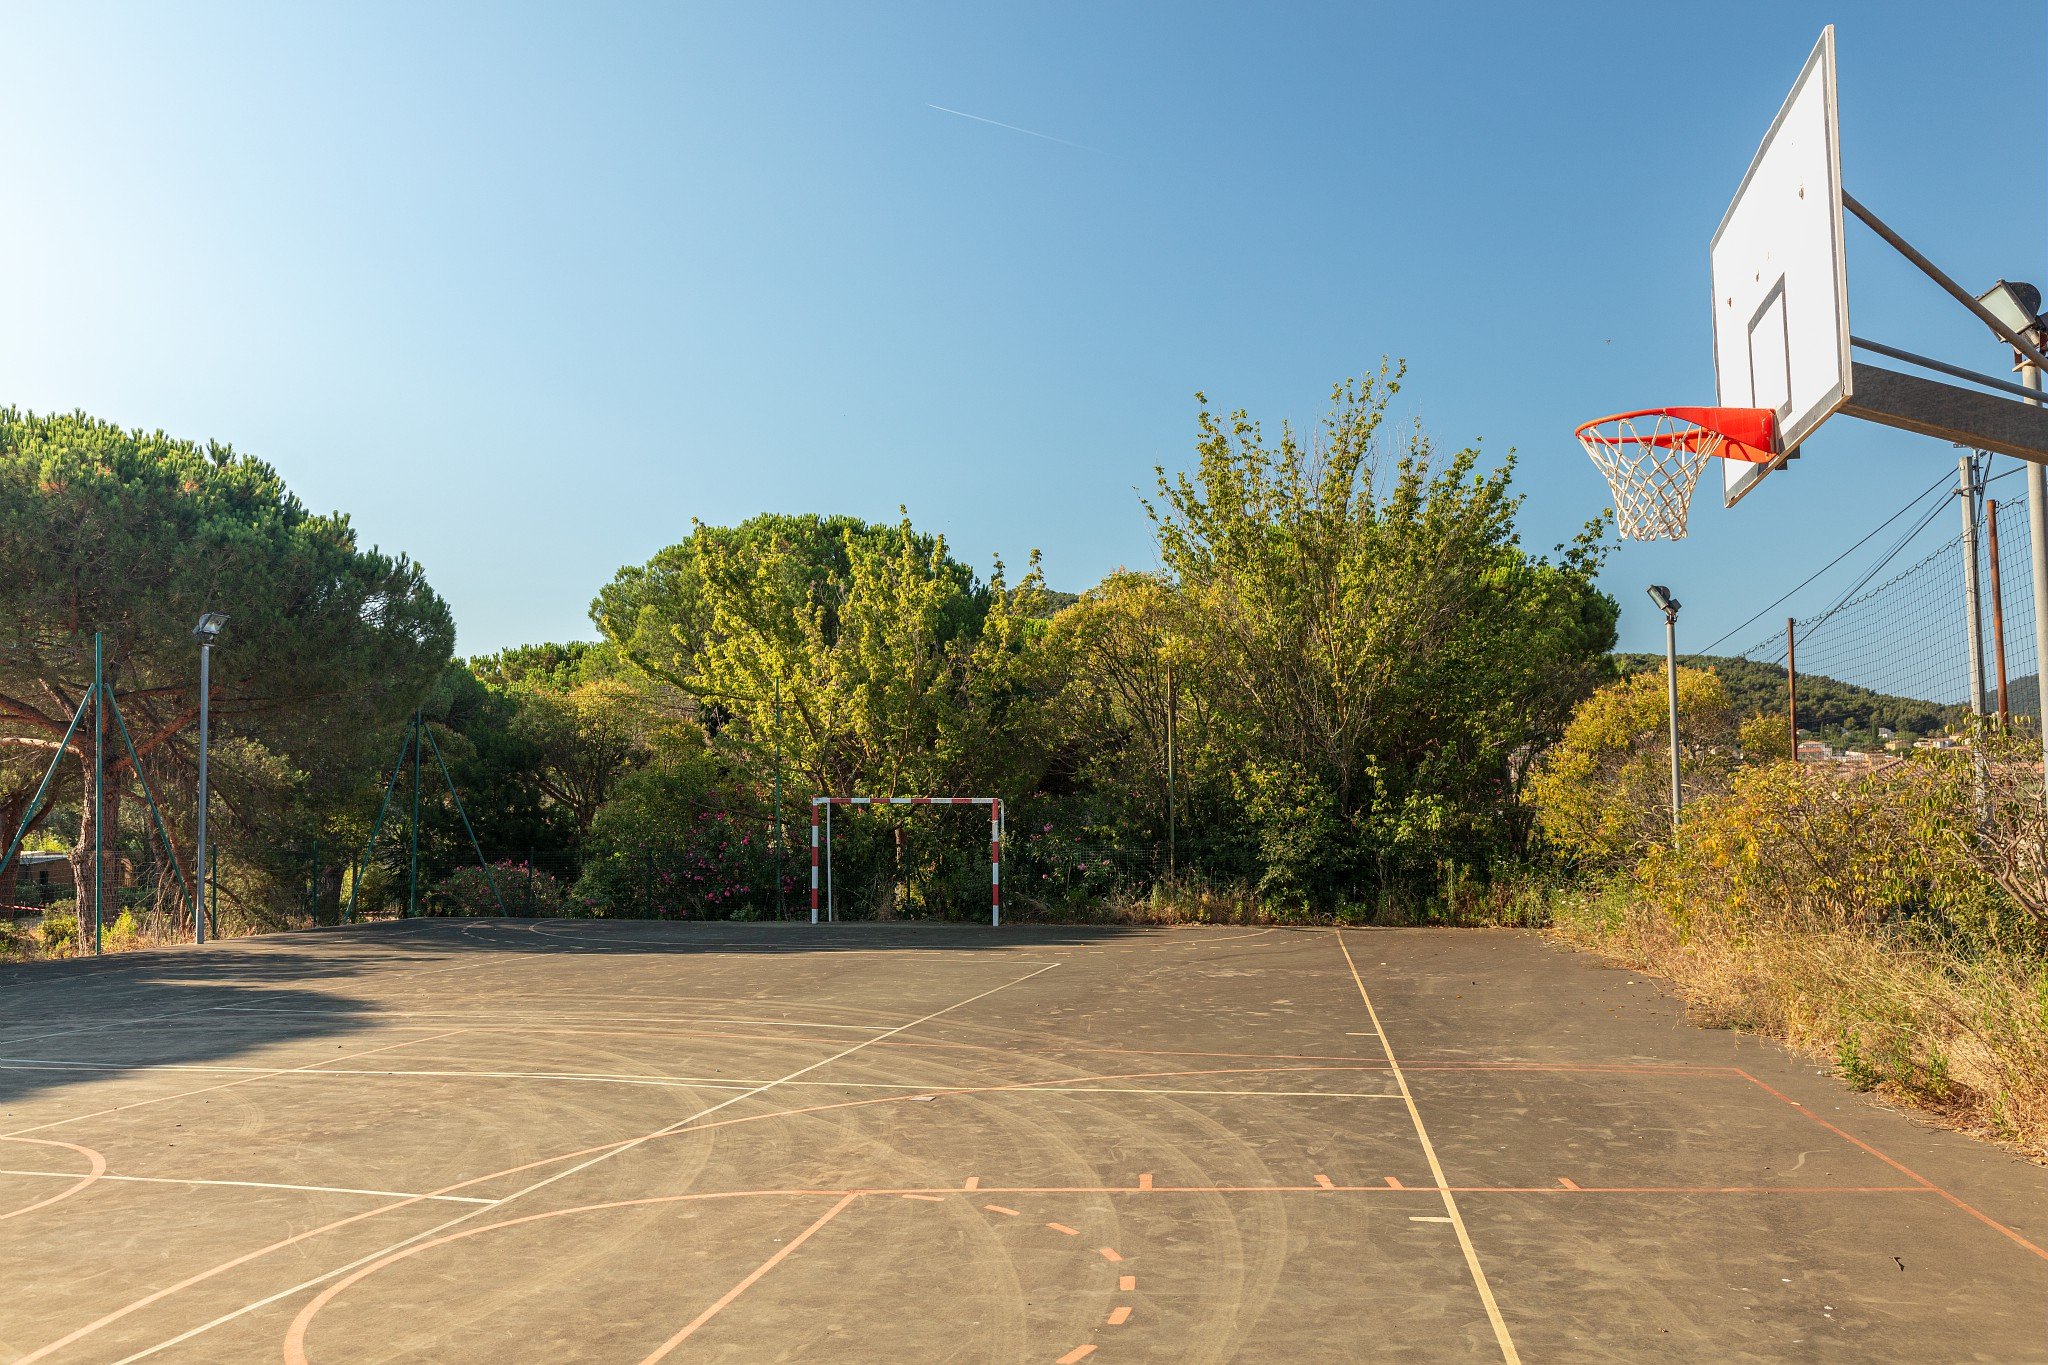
(1668, 604)
(208, 627)
(2018, 306)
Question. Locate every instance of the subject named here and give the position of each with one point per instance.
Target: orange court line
(998, 1208)
(1566, 1181)
(1109, 1254)
(1899, 1166)
(662, 1350)
(1078, 1353)
(973, 1183)
(1324, 1181)
(1120, 1316)
(94, 1160)
(1145, 1180)
(700, 1127)
(1127, 1283)
(295, 1336)
(1062, 1227)
(933, 1198)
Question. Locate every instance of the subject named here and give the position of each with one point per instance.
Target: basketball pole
(2037, 526)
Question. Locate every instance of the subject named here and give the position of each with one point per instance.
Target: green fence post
(412, 887)
(99, 777)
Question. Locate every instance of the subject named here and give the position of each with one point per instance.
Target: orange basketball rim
(1652, 459)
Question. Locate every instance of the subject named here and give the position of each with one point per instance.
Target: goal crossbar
(826, 803)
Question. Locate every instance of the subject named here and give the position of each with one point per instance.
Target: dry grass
(1961, 1032)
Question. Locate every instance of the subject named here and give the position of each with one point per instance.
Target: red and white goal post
(995, 841)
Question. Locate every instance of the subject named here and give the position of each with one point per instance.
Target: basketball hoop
(1653, 459)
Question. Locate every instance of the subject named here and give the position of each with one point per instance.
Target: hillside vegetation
(1826, 706)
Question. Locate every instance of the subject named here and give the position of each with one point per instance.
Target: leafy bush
(123, 935)
(1603, 793)
(511, 888)
(1845, 914)
(60, 930)
(668, 845)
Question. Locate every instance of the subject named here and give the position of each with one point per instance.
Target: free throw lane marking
(1500, 1327)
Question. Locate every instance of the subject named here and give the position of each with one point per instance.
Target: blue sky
(524, 289)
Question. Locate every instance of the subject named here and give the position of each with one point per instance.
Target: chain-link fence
(1889, 662)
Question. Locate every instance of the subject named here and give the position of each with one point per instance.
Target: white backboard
(1781, 297)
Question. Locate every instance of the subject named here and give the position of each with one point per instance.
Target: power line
(1915, 502)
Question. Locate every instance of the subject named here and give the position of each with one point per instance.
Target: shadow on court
(90, 1020)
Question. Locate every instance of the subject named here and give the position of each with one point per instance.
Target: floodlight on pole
(1669, 605)
(205, 632)
(2016, 304)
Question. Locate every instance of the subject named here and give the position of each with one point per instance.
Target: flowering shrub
(710, 865)
(518, 889)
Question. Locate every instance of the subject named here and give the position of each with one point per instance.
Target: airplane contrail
(1011, 126)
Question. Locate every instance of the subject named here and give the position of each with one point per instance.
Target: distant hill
(1825, 705)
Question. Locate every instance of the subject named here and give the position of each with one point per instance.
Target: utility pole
(1997, 612)
(1967, 489)
(1792, 683)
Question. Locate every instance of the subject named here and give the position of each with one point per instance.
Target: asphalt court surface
(501, 1140)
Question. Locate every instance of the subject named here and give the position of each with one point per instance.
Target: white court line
(123, 1022)
(1457, 1221)
(681, 1082)
(256, 1185)
(548, 1016)
(617, 1150)
(204, 1089)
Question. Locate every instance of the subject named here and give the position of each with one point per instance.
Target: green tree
(134, 535)
(1603, 792)
(1373, 630)
(588, 719)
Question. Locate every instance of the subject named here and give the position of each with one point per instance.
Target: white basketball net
(1652, 464)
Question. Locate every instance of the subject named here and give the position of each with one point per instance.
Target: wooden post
(1997, 613)
(1792, 685)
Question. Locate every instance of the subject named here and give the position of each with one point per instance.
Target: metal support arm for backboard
(1964, 416)
(1940, 277)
